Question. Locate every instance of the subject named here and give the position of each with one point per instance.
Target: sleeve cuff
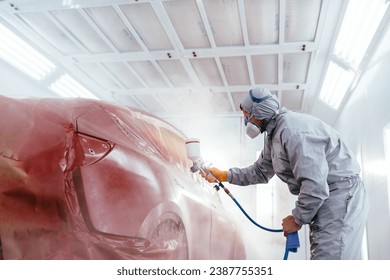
(229, 176)
(298, 221)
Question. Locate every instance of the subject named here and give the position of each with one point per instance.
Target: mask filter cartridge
(252, 130)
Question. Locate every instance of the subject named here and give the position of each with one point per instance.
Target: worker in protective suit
(309, 156)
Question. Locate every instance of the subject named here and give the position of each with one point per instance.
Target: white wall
(361, 124)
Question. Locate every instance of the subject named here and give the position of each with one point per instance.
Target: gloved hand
(290, 225)
(221, 175)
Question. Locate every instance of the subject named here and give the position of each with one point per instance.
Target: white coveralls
(309, 156)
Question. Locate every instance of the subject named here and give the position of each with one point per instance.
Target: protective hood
(260, 103)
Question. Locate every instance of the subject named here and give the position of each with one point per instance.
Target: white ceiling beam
(244, 27)
(65, 31)
(244, 30)
(162, 73)
(23, 6)
(243, 88)
(167, 25)
(136, 75)
(245, 35)
(332, 25)
(209, 32)
(109, 74)
(282, 34)
(107, 41)
(224, 80)
(98, 31)
(130, 27)
(201, 53)
(135, 35)
(206, 23)
(195, 115)
(308, 99)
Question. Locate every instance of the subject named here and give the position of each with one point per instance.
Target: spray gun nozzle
(194, 168)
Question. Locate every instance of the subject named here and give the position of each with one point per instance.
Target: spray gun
(193, 153)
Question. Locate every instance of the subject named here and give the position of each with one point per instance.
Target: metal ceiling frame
(178, 52)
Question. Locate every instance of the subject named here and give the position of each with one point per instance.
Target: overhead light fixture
(361, 20)
(336, 83)
(66, 86)
(18, 53)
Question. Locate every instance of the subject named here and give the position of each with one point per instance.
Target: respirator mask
(252, 130)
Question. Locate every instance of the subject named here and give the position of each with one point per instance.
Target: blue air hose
(250, 219)
(292, 239)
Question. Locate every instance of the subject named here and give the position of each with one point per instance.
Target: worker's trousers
(336, 232)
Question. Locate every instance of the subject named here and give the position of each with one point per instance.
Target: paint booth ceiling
(184, 57)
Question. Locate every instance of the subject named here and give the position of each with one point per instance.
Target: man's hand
(221, 175)
(289, 225)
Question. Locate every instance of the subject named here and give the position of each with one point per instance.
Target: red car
(86, 179)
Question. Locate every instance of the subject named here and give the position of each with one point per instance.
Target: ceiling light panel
(265, 69)
(187, 22)
(49, 32)
(301, 20)
(207, 71)
(114, 28)
(22, 56)
(175, 72)
(335, 86)
(145, 22)
(66, 86)
(81, 30)
(262, 21)
(149, 73)
(360, 23)
(225, 23)
(296, 67)
(236, 70)
(292, 99)
(124, 74)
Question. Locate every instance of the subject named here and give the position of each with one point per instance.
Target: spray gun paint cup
(193, 149)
